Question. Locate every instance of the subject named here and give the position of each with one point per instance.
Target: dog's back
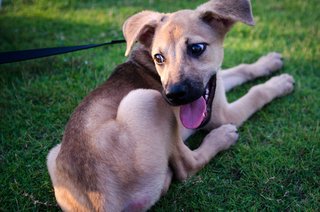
(92, 132)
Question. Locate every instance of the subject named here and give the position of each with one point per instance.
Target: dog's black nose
(176, 93)
(183, 92)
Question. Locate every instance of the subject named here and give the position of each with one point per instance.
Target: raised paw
(224, 136)
(268, 64)
(283, 84)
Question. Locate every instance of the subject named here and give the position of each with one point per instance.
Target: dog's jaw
(209, 96)
(197, 114)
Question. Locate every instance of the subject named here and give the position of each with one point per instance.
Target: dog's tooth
(206, 95)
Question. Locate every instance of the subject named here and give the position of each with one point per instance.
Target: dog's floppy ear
(140, 27)
(225, 13)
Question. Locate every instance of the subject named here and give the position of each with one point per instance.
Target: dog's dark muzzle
(183, 92)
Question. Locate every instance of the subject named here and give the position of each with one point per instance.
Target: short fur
(124, 142)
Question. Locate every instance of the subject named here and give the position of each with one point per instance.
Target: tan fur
(124, 143)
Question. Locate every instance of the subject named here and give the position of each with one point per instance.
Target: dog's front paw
(283, 84)
(269, 63)
(224, 137)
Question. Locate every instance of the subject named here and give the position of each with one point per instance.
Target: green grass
(274, 166)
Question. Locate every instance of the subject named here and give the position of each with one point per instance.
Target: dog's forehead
(179, 21)
(181, 25)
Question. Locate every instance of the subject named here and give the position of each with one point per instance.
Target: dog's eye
(159, 58)
(196, 49)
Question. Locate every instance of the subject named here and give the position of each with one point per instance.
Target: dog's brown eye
(196, 49)
(159, 58)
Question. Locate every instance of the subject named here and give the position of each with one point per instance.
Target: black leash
(15, 56)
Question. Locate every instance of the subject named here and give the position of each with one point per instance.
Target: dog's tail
(64, 196)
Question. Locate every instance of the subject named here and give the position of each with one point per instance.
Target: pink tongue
(192, 114)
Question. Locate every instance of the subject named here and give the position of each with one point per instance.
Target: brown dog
(125, 141)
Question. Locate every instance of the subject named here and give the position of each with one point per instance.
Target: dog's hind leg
(258, 96)
(245, 72)
(150, 124)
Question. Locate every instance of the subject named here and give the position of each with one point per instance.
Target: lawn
(276, 162)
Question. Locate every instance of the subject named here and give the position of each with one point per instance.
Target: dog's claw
(269, 63)
(283, 83)
(224, 136)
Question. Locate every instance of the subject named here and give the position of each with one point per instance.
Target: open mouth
(198, 113)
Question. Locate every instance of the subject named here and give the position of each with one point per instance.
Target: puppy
(125, 141)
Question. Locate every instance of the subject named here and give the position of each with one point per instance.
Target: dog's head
(187, 48)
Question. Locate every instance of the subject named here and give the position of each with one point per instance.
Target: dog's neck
(141, 56)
